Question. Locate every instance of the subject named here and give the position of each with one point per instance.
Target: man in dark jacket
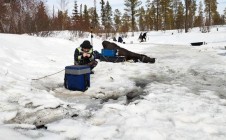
(84, 55)
(144, 37)
(120, 40)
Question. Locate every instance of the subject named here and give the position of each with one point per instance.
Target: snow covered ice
(180, 97)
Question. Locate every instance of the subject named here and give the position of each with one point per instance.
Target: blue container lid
(77, 69)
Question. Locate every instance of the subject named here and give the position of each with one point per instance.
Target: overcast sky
(115, 4)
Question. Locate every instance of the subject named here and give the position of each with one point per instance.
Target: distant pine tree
(175, 5)
(2, 15)
(192, 12)
(86, 19)
(180, 17)
(211, 10)
(166, 13)
(199, 19)
(76, 18)
(224, 15)
(108, 14)
(103, 13)
(141, 20)
(187, 4)
(42, 20)
(131, 8)
(75, 14)
(125, 23)
(117, 19)
(158, 19)
(94, 19)
(153, 18)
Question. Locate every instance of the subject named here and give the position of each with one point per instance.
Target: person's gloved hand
(86, 55)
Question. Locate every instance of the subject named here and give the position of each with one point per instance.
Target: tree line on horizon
(31, 16)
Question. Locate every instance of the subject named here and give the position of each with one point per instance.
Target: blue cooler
(108, 52)
(77, 77)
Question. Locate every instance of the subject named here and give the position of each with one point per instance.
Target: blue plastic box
(108, 52)
(77, 77)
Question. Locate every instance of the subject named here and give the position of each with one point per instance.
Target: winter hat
(86, 45)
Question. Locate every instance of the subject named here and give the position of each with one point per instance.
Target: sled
(113, 59)
(197, 43)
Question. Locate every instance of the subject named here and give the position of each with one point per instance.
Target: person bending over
(84, 55)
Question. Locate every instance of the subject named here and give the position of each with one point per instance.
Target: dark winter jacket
(144, 36)
(79, 59)
(120, 39)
